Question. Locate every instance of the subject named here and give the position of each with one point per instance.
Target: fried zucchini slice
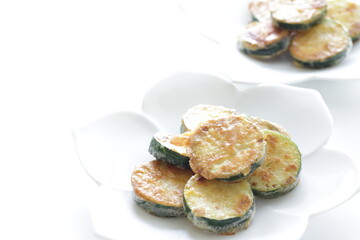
(348, 13)
(219, 207)
(264, 124)
(158, 188)
(226, 149)
(322, 46)
(297, 14)
(263, 40)
(202, 112)
(280, 170)
(170, 148)
(260, 10)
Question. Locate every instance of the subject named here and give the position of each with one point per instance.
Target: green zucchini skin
(241, 176)
(356, 38)
(183, 128)
(161, 152)
(158, 188)
(263, 40)
(297, 14)
(300, 26)
(159, 210)
(269, 51)
(334, 60)
(223, 227)
(276, 193)
(280, 172)
(219, 207)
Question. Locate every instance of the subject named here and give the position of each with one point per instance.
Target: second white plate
(222, 20)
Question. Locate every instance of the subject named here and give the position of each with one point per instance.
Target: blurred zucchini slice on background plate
(297, 14)
(203, 112)
(170, 148)
(219, 207)
(259, 10)
(263, 40)
(324, 45)
(348, 13)
(226, 149)
(279, 173)
(158, 188)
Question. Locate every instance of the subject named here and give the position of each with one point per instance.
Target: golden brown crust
(321, 42)
(203, 112)
(264, 124)
(225, 147)
(259, 35)
(206, 198)
(177, 143)
(159, 182)
(259, 9)
(281, 165)
(346, 12)
(296, 12)
(181, 140)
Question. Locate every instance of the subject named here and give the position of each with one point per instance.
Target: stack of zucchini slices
(212, 171)
(316, 33)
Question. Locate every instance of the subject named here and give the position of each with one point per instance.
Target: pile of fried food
(212, 171)
(316, 33)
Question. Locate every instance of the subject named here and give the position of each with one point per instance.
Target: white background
(65, 63)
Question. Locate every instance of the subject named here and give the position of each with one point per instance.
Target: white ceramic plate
(222, 20)
(111, 147)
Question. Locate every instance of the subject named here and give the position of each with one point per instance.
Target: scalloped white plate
(111, 147)
(222, 20)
